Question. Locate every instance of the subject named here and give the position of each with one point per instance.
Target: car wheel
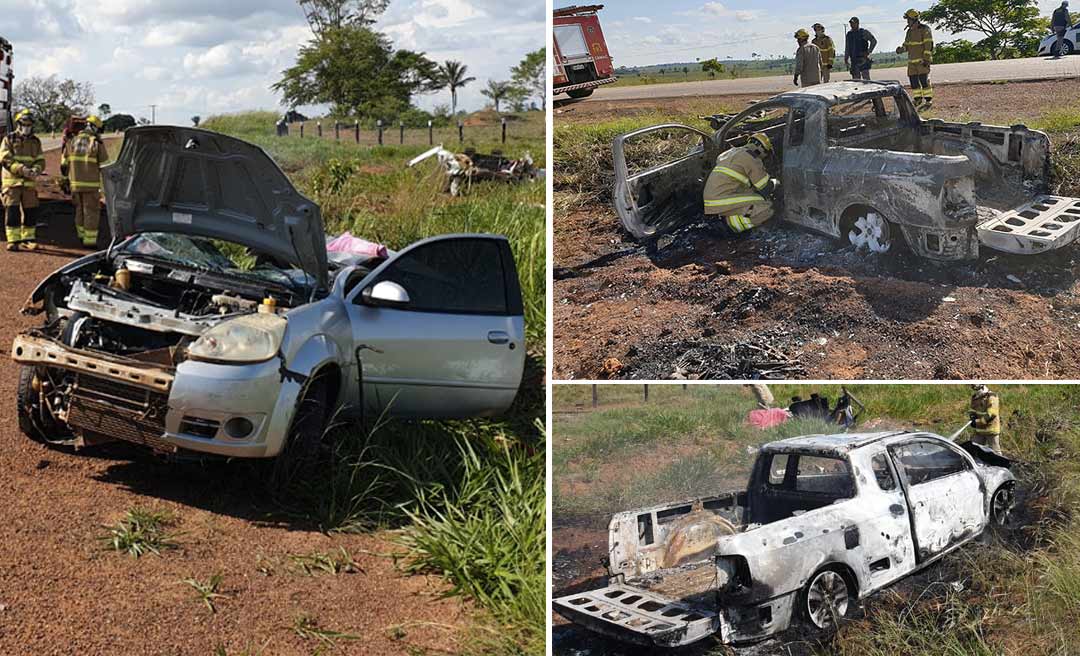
(870, 230)
(826, 598)
(36, 420)
(1003, 507)
(1067, 47)
(580, 93)
(305, 441)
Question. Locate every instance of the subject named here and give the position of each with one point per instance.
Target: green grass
(319, 562)
(141, 532)
(307, 628)
(207, 591)
(467, 496)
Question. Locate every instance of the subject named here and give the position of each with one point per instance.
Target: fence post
(378, 124)
(646, 393)
(401, 127)
(357, 131)
(301, 130)
(594, 399)
(318, 128)
(504, 129)
(430, 134)
(337, 131)
(460, 132)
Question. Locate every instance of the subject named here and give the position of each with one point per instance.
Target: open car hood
(197, 182)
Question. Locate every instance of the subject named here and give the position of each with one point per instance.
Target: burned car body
(825, 520)
(857, 162)
(165, 341)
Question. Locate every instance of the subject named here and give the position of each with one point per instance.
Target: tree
(195, 120)
(53, 101)
(497, 91)
(712, 67)
(454, 77)
(686, 70)
(357, 70)
(1006, 24)
(325, 15)
(104, 109)
(118, 123)
(531, 74)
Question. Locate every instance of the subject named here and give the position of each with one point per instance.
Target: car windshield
(215, 255)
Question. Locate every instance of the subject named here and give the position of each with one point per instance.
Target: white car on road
(1072, 38)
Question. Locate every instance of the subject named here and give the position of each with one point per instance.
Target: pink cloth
(346, 243)
(768, 418)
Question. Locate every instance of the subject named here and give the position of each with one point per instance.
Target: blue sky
(641, 32)
(211, 56)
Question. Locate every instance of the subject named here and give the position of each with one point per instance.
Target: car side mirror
(385, 293)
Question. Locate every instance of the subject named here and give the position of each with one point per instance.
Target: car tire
(37, 422)
(1067, 48)
(580, 93)
(305, 441)
(826, 596)
(1003, 507)
(868, 229)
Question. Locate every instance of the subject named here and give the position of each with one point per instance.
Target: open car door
(660, 174)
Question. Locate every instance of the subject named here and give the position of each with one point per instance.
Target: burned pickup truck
(857, 162)
(218, 323)
(825, 520)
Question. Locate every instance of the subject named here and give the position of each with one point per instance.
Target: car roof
(839, 443)
(845, 90)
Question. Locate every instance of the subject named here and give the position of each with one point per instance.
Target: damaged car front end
(216, 324)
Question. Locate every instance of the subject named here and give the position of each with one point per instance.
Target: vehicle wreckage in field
(825, 520)
(164, 340)
(858, 163)
(463, 169)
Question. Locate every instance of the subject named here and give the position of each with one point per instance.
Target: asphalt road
(1031, 68)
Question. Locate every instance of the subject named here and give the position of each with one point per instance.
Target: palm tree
(454, 76)
(497, 91)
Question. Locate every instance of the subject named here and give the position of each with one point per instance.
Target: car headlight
(250, 338)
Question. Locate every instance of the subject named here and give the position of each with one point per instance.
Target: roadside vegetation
(1020, 594)
(463, 499)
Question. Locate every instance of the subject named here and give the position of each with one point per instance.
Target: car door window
(924, 461)
(882, 473)
(456, 276)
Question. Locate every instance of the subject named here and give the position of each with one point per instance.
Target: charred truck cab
(216, 322)
(858, 163)
(825, 520)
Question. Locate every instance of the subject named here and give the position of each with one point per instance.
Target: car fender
(315, 353)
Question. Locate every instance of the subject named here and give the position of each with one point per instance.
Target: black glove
(973, 416)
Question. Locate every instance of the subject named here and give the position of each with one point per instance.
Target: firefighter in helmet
(739, 188)
(985, 417)
(22, 162)
(80, 165)
(919, 45)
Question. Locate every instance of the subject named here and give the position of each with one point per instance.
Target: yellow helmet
(802, 34)
(911, 13)
(762, 139)
(24, 116)
(94, 121)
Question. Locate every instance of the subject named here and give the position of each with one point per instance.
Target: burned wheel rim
(1003, 506)
(827, 599)
(871, 231)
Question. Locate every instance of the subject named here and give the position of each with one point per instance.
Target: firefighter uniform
(986, 418)
(731, 191)
(81, 161)
(825, 44)
(919, 45)
(21, 158)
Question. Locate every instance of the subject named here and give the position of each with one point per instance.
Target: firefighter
(739, 186)
(825, 44)
(80, 165)
(807, 60)
(22, 162)
(985, 417)
(859, 44)
(919, 44)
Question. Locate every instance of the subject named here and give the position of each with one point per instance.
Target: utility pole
(153, 114)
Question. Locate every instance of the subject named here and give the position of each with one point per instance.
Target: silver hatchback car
(166, 341)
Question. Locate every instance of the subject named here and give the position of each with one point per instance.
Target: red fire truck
(7, 77)
(582, 60)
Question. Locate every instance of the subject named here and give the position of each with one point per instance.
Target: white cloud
(642, 19)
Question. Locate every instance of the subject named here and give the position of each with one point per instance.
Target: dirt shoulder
(62, 593)
(782, 302)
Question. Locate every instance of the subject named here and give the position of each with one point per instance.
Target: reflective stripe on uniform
(914, 61)
(83, 158)
(732, 200)
(760, 184)
(739, 223)
(732, 173)
(29, 233)
(85, 186)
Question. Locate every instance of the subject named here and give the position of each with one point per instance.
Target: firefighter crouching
(80, 165)
(986, 417)
(739, 188)
(919, 45)
(22, 162)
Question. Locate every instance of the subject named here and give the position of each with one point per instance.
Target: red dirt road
(61, 592)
